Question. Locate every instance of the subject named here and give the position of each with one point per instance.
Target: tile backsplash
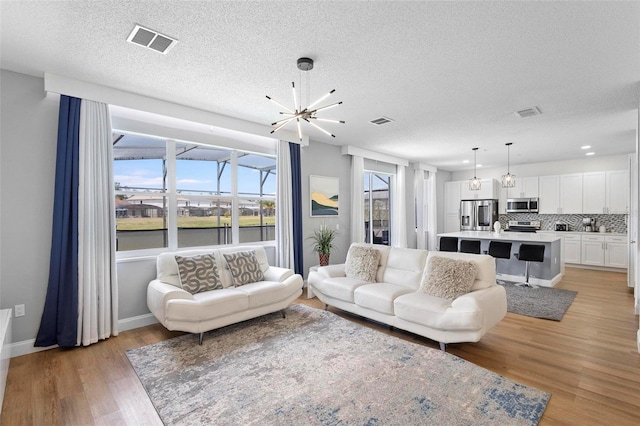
(613, 222)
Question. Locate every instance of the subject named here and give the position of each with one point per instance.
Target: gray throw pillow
(244, 267)
(448, 278)
(198, 273)
(362, 263)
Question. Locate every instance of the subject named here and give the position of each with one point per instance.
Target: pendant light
(508, 180)
(474, 184)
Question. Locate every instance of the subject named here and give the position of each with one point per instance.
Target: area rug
(543, 302)
(315, 368)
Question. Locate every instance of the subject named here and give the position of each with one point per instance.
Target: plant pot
(324, 259)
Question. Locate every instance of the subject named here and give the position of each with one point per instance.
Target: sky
(191, 175)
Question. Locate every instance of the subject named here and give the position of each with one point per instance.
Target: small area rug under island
(315, 368)
(542, 302)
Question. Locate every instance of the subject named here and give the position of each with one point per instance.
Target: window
(377, 207)
(176, 194)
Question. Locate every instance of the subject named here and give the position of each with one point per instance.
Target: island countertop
(505, 236)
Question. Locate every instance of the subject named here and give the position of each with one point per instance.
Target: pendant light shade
(474, 184)
(508, 180)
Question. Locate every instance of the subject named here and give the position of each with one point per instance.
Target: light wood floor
(588, 362)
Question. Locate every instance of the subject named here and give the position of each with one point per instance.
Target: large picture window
(176, 194)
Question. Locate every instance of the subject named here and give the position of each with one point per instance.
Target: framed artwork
(323, 194)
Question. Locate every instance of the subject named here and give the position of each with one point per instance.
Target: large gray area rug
(543, 302)
(315, 368)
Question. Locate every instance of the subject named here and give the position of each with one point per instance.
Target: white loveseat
(178, 309)
(394, 299)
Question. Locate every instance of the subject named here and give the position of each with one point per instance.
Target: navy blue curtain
(296, 189)
(59, 324)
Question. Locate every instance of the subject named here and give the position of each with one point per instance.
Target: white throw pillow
(448, 278)
(362, 263)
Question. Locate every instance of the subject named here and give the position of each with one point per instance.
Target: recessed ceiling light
(479, 165)
(585, 147)
(465, 161)
(590, 153)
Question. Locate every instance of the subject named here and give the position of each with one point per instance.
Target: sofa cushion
(435, 312)
(198, 273)
(267, 292)
(244, 267)
(341, 288)
(362, 263)
(210, 304)
(379, 296)
(405, 267)
(448, 278)
(486, 276)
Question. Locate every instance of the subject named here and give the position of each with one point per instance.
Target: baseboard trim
(26, 347)
(136, 322)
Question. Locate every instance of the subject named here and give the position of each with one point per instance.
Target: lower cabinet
(572, 249)
(600, 250)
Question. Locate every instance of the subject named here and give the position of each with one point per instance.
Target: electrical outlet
(19, 310)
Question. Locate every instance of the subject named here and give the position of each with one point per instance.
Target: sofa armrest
(332, 271)
(275, 273)
(159, 294)
(491, 301)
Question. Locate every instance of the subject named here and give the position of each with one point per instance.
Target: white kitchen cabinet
(502, 200)
(572, 248)
(452, 206)
(605, 192)
(560, 194)
(593, 250)
(489, 190)
(452, 222)
(617, 192)
(526, 187)
(616, 251)
(601, 250)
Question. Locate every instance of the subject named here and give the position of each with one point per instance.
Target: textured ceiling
(451, 74)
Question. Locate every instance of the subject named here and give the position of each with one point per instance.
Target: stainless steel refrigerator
(478, 215)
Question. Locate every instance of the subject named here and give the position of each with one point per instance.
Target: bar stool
(448, 244)
(499, 250)
(529, 253)
(470, 246)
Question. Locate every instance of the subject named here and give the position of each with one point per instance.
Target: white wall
(29, 124)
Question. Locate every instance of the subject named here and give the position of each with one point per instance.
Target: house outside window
(176, 194)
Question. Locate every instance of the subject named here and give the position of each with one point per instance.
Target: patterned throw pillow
(448, 278)
(244, 267)
(198, 273)
(362, 263)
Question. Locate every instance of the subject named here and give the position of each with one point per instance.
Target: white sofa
(394, 298)
(177, 309)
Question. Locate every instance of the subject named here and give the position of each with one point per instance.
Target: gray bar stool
(470, 246)
(529, 253)
(499, 250)
(448, 244)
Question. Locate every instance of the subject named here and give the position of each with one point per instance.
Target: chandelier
(508, 180)
(474, 184)
(309, 113)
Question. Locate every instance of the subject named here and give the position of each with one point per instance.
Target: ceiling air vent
(529, 112)
(151, 39)
(380, 121)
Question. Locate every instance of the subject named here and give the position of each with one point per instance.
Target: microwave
(522, 205)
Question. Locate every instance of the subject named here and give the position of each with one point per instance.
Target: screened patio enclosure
(181, 194)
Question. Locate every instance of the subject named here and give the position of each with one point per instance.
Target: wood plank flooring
(588, 362)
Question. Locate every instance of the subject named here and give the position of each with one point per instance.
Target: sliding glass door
(377, 207)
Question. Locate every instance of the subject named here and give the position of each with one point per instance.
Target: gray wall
(28, 136)
(326, 160)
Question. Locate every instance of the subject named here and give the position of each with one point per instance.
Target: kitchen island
(547, 273)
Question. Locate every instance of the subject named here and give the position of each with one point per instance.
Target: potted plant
(323, 243)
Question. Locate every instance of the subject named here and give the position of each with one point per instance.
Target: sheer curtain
(97, 283)
(284, 209)
(432, 211)
(426, 208)
(421, 207)
(357, 199)
(399, 210)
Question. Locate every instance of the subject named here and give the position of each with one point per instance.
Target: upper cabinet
(605, 192)
(560, 194)
(526, 187)
(489, 190)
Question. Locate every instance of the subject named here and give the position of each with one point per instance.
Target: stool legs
(526, 282)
